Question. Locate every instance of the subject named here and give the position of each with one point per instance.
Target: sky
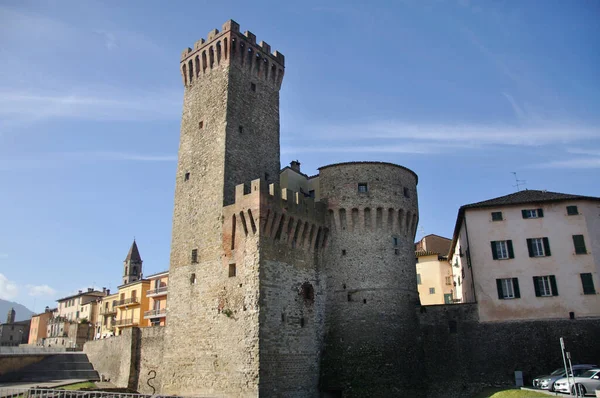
(463, 92)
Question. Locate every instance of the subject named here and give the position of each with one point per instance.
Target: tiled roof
(134, 254)
(528, 196)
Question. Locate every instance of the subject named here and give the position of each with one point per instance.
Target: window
(343, 252)
(155, 321)
(579, 244)
(496, 216)
(532, 213)
(194, 256)
(406, 194)
(588, 283)
(187, 176)
(252, 86)
(572, 211)
(538, 247)
(545, 286)
(201, 124)
(432, 290)
(396, 252)
(241, 129)
(502, 250)
(231, 270)
(395, 240)
(362, 187)
(448, 280)
(508, 288)
(192, 279)
(418, 279)
(311, 193)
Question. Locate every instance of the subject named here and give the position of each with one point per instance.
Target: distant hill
(23, 313)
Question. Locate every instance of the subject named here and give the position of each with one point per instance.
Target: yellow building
(131, 305)
(106, 316)
(434, 273)
(157, 299)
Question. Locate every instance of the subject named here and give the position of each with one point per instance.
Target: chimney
(108, 292)
(295, 165)
(104, 290)
(90, 289)
(80, 291)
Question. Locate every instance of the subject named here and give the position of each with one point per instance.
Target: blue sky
(461, 92)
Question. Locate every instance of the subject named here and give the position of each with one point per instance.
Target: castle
(285, 285)
(292, 273)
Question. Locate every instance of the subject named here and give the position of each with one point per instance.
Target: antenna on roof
(518, 182)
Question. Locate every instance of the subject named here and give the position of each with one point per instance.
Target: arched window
(308, 293)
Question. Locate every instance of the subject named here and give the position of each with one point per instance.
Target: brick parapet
(230, 47)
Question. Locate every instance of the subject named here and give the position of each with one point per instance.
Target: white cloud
(583, 151)
(8, 289)
(585, 163)
(40, 290)
(100, 155)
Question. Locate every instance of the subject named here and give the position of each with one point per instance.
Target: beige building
(434, 273)
(106, 316)
(156, 315)
(529, 255)
(293, 179)
(80, 306)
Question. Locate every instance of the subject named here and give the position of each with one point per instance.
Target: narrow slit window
(201, 124)
(252, 86)
(194, 256)
(241, 129)
(193, 279)
(232, 270)
(187, 176)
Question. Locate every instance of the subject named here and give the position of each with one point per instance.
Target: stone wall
(115, 358)
(463, 355)
(150, 359)
(12, 363)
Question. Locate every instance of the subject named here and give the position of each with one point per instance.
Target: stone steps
(55, 367)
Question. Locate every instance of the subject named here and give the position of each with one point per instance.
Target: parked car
(547, 382)
(587, 381)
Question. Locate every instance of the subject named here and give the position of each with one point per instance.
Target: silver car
(587, 381)
(547, 382)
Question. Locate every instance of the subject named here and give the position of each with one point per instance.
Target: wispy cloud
(110, 40)
(588, 159)
(40, 290)
(8, 289)
(583, 151)
(122, 156)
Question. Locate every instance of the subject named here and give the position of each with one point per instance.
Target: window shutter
(588, 283)
(546, 246)
(499, 286)
(516, 287)
(536, 286)
(530, 247)
(579, 244)
(540, 212)
(524, 213)
(494, 253)
(553, 285)
(511, 253)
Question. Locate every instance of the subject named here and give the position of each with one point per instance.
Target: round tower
(371, 346)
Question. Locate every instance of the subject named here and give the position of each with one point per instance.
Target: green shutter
(499, 287)
(494, 253)
(536, 286)
(516, 287)
(579, 244)
(588, 283)
(511, 253)
(530, 247)
(540, 212)
(553, 285)
(524, 213)
(546, 246)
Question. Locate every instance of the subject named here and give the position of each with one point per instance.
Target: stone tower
(10, 318)
(372, 346)
(132, 266)
(229, 136)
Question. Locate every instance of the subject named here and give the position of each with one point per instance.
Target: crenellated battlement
(231, 47)
(280, 215)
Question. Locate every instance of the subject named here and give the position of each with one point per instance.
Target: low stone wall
(150, 359)
(112, 357)
(12, 363)
(463, 355)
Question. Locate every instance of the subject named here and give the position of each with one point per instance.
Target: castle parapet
(281, 215)
(231, 47)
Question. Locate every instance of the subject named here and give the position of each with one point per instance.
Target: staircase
(63, 366)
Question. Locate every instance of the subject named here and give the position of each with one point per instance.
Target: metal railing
(125, 322)
(57, 393)
(157, 291)
(130, 300)
(108, 311)
(155, 313)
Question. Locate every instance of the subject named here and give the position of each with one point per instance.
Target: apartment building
(75, 307)
(434, 273)
(39, 327)
(131, 305)
(529, 255)
(106, 316)
(157, 299)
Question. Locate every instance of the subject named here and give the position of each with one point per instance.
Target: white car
(584, 383)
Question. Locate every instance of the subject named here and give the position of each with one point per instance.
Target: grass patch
(78, 386)
(508, 393)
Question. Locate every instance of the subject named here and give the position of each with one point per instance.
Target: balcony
(161, 291)
(108, 311)
(128, 301)
(125, 322)
(161, 313)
